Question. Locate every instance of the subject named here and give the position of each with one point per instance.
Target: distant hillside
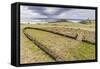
(87, 21)
(59, 20)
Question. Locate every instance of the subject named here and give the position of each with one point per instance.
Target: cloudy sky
(42, 14)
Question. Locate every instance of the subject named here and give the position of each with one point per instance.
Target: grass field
(66, 48)
(30, 53)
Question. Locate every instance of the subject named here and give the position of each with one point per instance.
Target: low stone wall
(61, 32)
(89, 36)
(78, 34)
(42, 47)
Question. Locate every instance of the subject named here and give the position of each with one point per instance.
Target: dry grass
(30, 53)
(67, 48)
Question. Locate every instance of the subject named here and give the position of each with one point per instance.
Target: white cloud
(51, 10)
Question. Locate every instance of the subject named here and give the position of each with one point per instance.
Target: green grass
(88, 50)
(84, 52)
(42, 55)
